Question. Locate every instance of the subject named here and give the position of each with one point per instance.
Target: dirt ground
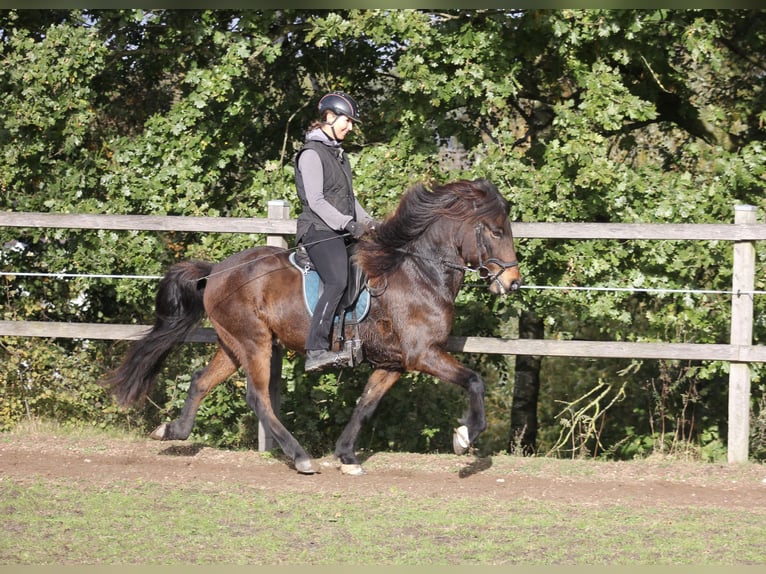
(91, 460)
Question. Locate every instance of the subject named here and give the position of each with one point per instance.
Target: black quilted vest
(337, 187)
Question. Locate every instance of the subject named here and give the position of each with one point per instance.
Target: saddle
(353, 307)
(356, 298)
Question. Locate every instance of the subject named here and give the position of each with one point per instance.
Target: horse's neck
(436, 269)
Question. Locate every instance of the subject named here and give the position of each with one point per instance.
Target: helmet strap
(332, 127)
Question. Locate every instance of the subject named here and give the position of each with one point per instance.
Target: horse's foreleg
(441, 364)
(476, 421)
(221, 367)
(378, 385)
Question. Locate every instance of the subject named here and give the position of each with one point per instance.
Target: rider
(331, 218)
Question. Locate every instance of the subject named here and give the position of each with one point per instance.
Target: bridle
(482, 268)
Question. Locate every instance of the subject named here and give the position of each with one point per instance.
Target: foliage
(57, 383)
(758, 425)
(578, 115)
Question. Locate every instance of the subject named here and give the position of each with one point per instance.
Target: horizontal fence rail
(564, 230)
(740, 352)
(486, 345)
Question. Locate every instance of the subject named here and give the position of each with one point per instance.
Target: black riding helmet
(340, 103)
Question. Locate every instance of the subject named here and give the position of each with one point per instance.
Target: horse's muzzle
(499, 286)
(507, 278)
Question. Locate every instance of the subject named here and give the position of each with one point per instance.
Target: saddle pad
(312, 290)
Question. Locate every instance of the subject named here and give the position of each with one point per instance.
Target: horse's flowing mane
(463, 200)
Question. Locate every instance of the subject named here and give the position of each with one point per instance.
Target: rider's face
(340, 125)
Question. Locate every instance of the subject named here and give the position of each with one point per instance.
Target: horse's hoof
(159, 432)
(352, 469)
(305, 466)
(460, 440)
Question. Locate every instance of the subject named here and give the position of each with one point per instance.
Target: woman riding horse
(415, 265)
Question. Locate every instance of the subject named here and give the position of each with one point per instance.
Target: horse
(414, 262)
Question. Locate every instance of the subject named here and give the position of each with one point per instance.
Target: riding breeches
(327, 251)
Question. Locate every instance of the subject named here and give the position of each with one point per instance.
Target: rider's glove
(356, 229)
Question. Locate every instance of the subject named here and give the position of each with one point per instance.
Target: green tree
(578, 115)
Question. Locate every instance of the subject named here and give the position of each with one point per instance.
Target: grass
(60, 523)
(51, 521)
(41, 426)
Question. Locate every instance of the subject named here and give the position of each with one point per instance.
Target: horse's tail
(178, 308)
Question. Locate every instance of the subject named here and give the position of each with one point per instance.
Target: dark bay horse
(415, 263)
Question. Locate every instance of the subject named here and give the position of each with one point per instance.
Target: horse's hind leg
(263, 378)
(265, 436)
(220, 367)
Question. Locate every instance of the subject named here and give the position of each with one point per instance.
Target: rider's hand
(356, 229)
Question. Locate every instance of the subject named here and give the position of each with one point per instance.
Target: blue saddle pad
(312, 290)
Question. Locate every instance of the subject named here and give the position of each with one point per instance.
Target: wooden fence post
(743, 286)
(278, 209)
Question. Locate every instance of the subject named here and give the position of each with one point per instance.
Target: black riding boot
(318, 359)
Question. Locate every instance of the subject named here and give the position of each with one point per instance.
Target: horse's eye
(496, 234)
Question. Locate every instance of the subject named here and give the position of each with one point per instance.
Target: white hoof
(460, 440)
(352, 469)
(159, 432)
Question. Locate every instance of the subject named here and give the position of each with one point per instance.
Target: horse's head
(489, 248)
(495, 258)
(469, 216)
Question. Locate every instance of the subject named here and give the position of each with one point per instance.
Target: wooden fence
(740, 352)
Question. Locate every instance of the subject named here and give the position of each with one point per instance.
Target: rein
(481, 269)
(257, 259)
